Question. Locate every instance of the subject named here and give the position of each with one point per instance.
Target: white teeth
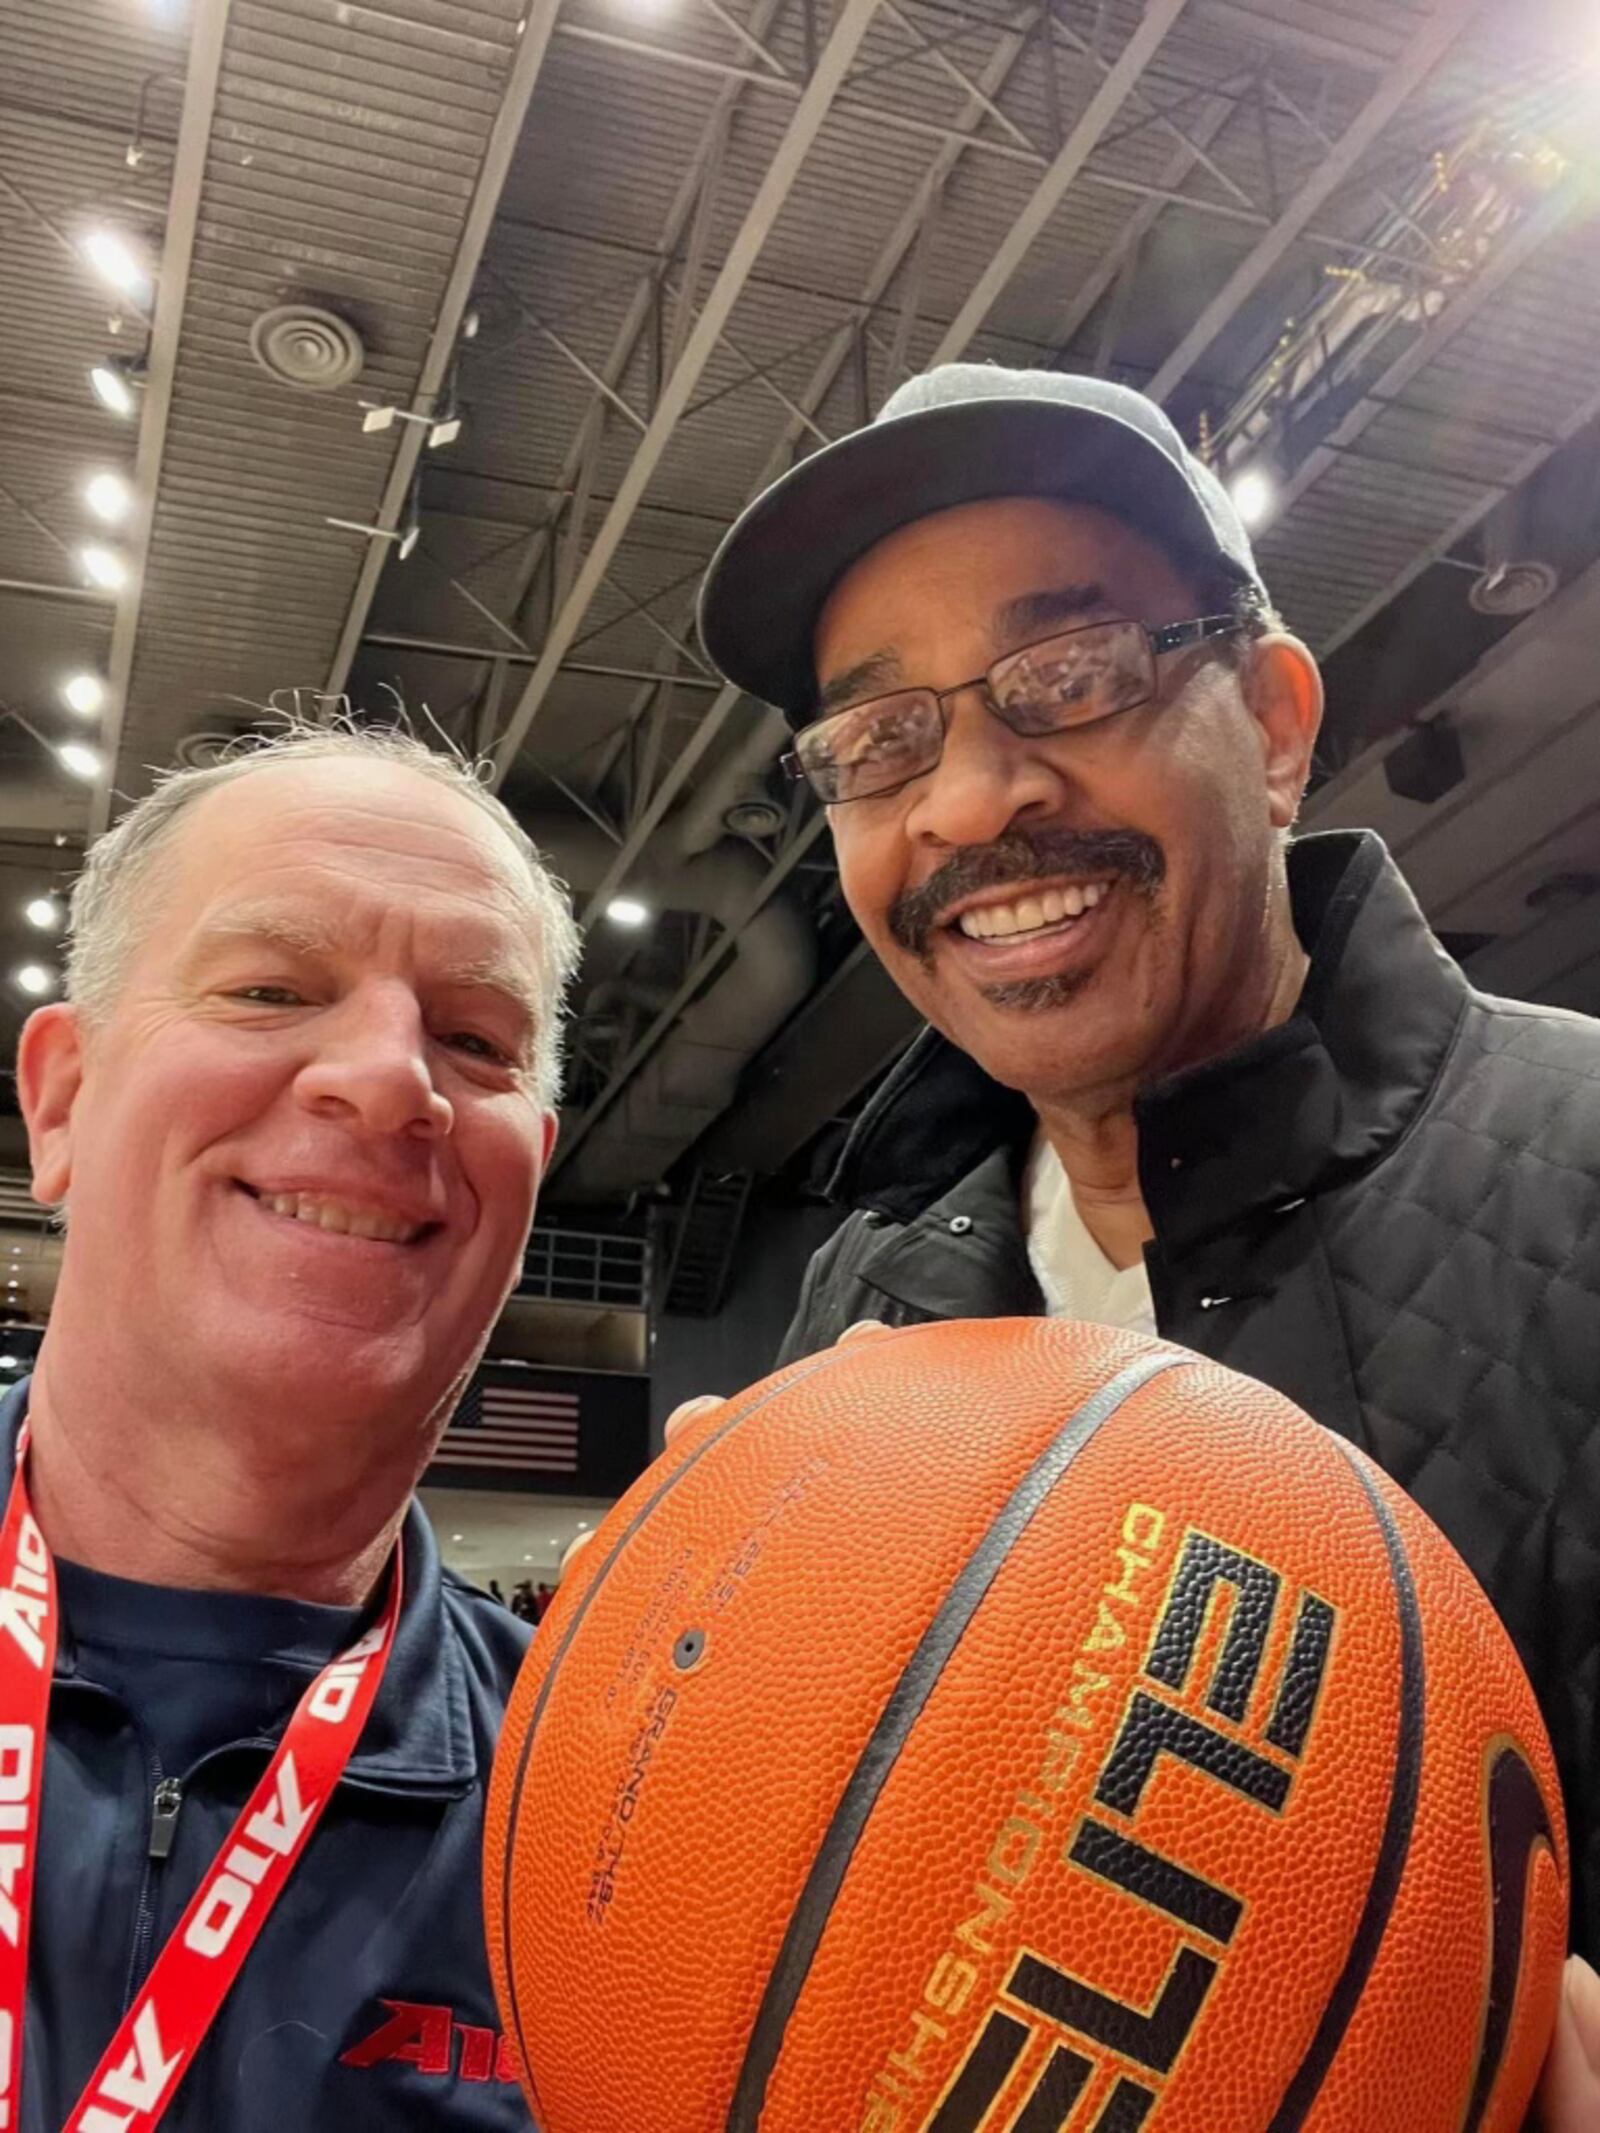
(1029, 913)
(339, 1216)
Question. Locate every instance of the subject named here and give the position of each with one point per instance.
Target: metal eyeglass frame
(1171, 637)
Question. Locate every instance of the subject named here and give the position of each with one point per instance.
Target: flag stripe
(514, 1428)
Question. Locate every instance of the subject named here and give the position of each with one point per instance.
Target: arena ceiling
(454, 334)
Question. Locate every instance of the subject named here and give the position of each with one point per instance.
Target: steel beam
(854, 20)
(1139, 225)
(496, 655)
(980, 144)
(82, 595)
(644, 306)
(902, 238)
(1121, 79)
(1418, 61)
(209, 27)
(1545, 223)
(443, 344)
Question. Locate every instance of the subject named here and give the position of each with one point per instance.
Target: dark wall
(725, 1353)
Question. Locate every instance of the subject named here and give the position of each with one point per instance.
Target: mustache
(1023, 855)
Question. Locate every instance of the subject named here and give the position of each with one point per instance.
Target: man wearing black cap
(1180, 1074)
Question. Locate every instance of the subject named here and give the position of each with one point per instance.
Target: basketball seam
(1394, 1845)
(514, 1805)
(904, 1706)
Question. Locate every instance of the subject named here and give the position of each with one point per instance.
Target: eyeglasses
(1074, 679)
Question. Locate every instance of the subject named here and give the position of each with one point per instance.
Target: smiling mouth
(1040, 911)
(345, 1218)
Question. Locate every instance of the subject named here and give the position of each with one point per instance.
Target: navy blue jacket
(366, 2001)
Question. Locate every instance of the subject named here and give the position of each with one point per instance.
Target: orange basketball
(1027, 1727)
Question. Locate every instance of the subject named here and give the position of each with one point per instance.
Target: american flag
(527, 1428)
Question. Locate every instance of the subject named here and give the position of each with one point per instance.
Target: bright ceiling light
(111, 388)
(1253, 495)
(409, 540)
(115, 261)
(82, 761)
(108, 497)
(43, 912)
(83, 693)
(378, 418)
(34, 979)
(10, 1362)
(627, 911)
(104, 566)
(445, 432)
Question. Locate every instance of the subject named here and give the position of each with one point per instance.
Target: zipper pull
(164, 1817)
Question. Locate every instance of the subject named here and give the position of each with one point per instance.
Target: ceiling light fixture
(82, 761)
(104, 567)
(43, 912)
(33, 979)
(441, 429)
(627, 911)
(84, 693)
(1254, 495)
(108, 497)
(115, 261)
(10, 1362)
(112, 387)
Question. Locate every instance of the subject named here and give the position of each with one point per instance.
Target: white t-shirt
(1077, 1278)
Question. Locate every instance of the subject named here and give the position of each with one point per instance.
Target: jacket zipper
(164, 1808)
(166, 1801)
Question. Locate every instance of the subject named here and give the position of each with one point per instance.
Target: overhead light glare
(115, 261)
(104, 566)
(10, 1362)
(43, 912)
(378, 418)
(627, 911)
(83, 693)
(34, 979)
(111, 388)
(108, 497)
(409, 540)
(81, 760)
(1253, 495)
(445, 432)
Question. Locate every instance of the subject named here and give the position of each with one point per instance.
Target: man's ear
(1283, 688)
(49, 1076)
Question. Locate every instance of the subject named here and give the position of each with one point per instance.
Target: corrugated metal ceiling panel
(246, 587)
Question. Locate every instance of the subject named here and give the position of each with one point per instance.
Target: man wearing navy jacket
(296, 1106)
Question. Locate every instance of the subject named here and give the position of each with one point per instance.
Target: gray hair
(110, 915)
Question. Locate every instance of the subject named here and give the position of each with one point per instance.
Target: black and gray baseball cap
(959, 433)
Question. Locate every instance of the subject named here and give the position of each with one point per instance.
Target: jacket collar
(419, 1735)
(1316, 1100)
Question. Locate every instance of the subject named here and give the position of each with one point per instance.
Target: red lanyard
(167, 2022)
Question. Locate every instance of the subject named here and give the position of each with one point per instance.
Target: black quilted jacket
(1389, 1208)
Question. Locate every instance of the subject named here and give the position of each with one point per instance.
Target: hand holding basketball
(1023, 1725)
(1569, 2096)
